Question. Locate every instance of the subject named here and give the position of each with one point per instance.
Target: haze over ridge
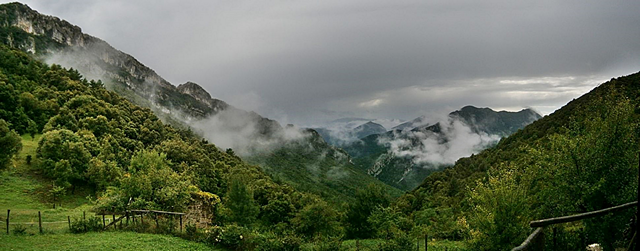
(306, 63)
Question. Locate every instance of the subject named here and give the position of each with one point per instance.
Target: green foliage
(367, 200)
(94, 140)
(318, 219)
(64, 156)
(581, 158)
(500, 219)
(56, 193)
(152, 184)
(311, 165)
(10, 143)
(240, 202)
(388, 223)
(19, 230)
(86, 225)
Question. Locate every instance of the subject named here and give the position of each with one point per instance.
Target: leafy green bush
(402, 241)
(86, 225)
(328, 244)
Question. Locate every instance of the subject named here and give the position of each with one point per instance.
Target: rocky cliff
(62, 43)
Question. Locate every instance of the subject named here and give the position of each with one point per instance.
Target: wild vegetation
(85, 140)
(581, 158)
(93, 140)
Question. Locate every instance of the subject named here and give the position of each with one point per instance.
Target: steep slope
(404, 157)
(582, 157)
(188, 105)
(419, 121)
(368, 128)
(310, 164)
(344, 131)
(62, 43)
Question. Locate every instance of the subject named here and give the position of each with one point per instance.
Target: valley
(89, 130)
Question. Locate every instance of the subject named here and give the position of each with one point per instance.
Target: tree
(10, 144)
(56, 192)
(64, 156)
(367, 200)
(317, 219)
(151, 183)
(240, 202)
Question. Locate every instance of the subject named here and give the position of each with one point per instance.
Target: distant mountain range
(404, 156)
(345, 131)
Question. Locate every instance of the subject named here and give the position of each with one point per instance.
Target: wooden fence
(536, 241)
(132, 215)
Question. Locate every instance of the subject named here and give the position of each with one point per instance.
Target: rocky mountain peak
(194, 90)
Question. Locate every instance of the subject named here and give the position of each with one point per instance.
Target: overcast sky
(308, 61)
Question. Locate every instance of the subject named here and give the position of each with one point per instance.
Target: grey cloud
(301, 58)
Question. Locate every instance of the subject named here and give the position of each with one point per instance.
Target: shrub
(400, 242)
(19, 230)
(86, 225)
(328, 244)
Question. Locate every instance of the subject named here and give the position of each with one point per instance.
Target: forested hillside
(260, 140)
(94, 138)
(581, 158)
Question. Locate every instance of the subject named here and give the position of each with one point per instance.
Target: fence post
(555, 238)
(426, 236)
(126, 213)
(40, 221)
(115, 226)
(638, 206)
(103, 223)
(8, 211)
(181, 223)
(69, 220)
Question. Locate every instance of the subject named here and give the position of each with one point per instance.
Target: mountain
(187, 105)
(403, 157)
(368, 128)
(419, 121)
(344, 131)
(65, 44)
(582, 157)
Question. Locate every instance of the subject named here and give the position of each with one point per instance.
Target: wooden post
(555, 238)
(69, 220)
(40, 221)
(8, 211)
(114, 222)
(142, 219)
(103, 222)
(426, 236)
(181, 223)
(127, 215)
(638, 206)
(84, 215)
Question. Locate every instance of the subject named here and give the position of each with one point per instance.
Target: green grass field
(98, 241)
(25, 191)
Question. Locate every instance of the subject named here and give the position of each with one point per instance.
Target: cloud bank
(428, 148)
(312, 61)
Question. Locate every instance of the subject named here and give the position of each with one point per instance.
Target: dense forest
(92, 138)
